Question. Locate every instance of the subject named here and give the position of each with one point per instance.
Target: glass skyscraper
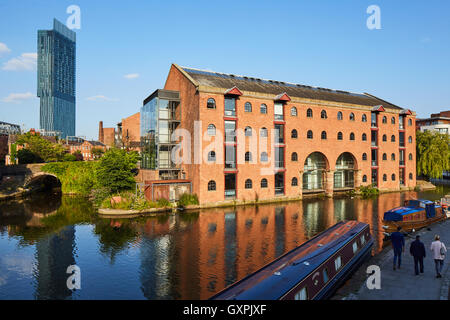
(56, 79)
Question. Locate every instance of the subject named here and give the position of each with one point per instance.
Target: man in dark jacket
(398, 244)
(417, 250)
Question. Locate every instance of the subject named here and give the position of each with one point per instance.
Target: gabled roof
(251, 84)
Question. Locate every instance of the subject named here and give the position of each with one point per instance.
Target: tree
(97, 152)
(433, 153)
(26, 156)
(115, 170)
(69, 157)
(78, 155)
(41, 148)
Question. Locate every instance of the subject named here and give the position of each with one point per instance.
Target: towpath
(403, 284)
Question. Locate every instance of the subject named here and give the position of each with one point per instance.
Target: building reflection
(54, 254)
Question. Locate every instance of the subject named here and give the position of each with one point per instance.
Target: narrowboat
(415, 214)
(311, 271)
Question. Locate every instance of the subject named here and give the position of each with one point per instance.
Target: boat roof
(414, 206)
(276, 278)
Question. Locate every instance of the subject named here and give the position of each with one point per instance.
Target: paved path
(403, 284)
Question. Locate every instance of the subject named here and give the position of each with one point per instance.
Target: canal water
(173, 256)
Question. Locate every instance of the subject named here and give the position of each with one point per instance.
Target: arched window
(309, 113)
(211, 130)
(384, 137)
(323, 135)
(364, 137)
(339, 136)
(248, 156)
(384, 177)
(263, 108)
(309, 134)
(352, 117)
(294, 134)
(384, 119)
(393, 120)
(410, 157)
(364, 178)
(392, 138)
(410, 124)
(264, 183)
(384, 156)
(248, 107)
(393, 156)
(364, 118)
(294, 111)
(410, 176)
(294, 182)
(264, 157)
(323, 114)
(263, 132)
(393, 177)
(294, 156)
(248, 184)
(212, 156)
(248, 131)
(339, 115)
(352, 136)
(211, 104)
(211, 185)
(364, 156)
(410, 139)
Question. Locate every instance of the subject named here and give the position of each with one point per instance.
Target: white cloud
(18, 97)
(131, 76)
(4, 49)
(100, 98)
(26, 61)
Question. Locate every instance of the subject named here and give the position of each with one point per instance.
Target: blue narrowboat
(311, 271)
(415, 214)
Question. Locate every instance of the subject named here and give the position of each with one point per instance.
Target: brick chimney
(101, 136)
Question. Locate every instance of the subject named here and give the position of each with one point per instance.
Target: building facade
(439, 122)
(253, 139)
(56, 79)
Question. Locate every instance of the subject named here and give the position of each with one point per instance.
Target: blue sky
(319, 43)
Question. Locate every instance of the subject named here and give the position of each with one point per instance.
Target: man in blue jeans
(398, 244)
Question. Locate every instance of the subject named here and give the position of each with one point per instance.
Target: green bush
(76, 177)
(188, 199)
(163, 202)
(368, 191)
(69, 157)
(115, 170)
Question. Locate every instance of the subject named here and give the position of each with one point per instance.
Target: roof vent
(277, 273)
(306, 263)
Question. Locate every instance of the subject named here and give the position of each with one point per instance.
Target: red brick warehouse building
(309, 140)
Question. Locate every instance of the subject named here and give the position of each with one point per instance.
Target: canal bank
(403, 284)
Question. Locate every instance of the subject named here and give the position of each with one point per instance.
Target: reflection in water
(175, 256)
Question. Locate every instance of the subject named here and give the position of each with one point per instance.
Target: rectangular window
(230, 106)
(374, 120)
(230, 157)
(230, 185)
(338, 263)
(401, 121)
(401, 138)
(355, 247)
(302, 294)
(325, 275)
(374, 138)
(402, 157)
(363, 240)
(374, 157)
(278, 111)
(230, 131)
(279, 157)
(279, 133)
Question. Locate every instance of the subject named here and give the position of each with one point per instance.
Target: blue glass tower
(56, 79)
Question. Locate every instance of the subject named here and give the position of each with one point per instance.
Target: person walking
(417, 250)
(439, 250)
(398, 244)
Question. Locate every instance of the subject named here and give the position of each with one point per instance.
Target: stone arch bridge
(23, 176)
